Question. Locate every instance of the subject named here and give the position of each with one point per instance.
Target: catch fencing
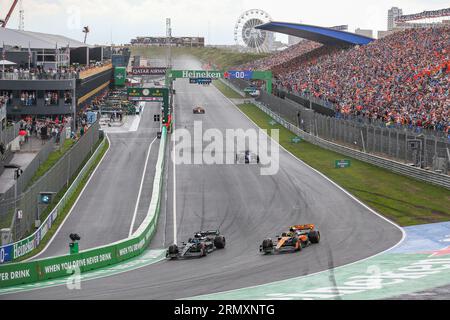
(420, 150)
(24, 209)
(9, 134)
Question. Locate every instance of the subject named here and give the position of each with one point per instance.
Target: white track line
(74, 204)
(140, 189)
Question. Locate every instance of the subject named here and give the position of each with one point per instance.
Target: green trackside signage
(296, 140)
(183, 74)
(342, 164)
(120, 76)
(267, 76)
(57, 267)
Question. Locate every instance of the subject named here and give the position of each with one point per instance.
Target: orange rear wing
(304, 227)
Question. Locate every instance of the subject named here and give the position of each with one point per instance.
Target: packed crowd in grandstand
(401, 79)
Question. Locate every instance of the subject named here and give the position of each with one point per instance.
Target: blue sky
(121, 20)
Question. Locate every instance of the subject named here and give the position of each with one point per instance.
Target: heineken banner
(245, 74)
(147, 71)
(196, 74)
(120, 76)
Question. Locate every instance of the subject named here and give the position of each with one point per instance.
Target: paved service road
(247, 207)
(105, 210)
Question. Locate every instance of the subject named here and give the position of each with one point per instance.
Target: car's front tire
(267, 246)
(314, 237)
(220, 242)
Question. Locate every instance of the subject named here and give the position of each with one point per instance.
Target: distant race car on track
(247, 157)
(201, 245)
(199, 110)
(299, 237)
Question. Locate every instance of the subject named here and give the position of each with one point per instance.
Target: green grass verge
(224, 59)
(5, 221)
(62, 215)
(399, 198)
(51, 161)
(226, 90)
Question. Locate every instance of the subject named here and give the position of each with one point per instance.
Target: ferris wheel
(247, 36)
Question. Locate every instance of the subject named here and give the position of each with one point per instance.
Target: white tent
(7, 63)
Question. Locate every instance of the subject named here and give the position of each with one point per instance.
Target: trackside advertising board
(148, 71)
(52, 268)
(120, 76)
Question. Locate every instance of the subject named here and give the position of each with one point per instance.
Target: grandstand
(402, 79)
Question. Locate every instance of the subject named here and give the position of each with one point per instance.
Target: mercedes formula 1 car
(199, 110)
(201, 245)
(247, 157)
(299, 237)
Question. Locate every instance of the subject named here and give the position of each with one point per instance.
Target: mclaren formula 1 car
(201, 245)
(299, 237)
(199, 110)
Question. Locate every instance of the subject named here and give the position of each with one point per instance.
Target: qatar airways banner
(148, 71)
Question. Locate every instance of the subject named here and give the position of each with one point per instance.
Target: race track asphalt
(105, 209)
(246, 207)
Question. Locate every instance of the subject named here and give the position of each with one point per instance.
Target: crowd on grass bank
(269, 63)
(402, 79)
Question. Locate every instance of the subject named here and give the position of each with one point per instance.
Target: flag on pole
(29, 55)
(3, 58)
(68, 54)
(56, 55)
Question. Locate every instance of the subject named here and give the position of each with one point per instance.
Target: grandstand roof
(322, 35)
(36, 40)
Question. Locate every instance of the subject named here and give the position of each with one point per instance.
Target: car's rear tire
(314, 237)
(220, 242)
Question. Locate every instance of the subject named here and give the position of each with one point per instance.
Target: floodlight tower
(21, 16)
